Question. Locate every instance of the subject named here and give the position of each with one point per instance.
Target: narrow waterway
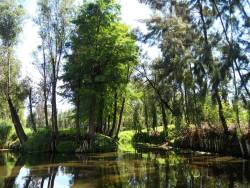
(122, 170)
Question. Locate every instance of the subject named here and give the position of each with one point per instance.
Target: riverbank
(207, 140)
(41, 142)
(215, 141)
(204, 140)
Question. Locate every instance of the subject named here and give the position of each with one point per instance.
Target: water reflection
(122, 170)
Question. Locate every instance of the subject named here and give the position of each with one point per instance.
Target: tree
(103, 55)
(31, 115)
(192, 71)
(10, 19)
(54, 24)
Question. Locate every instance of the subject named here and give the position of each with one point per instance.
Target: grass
(127, 138)
(125, 141)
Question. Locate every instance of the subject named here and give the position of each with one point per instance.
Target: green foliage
(8, 136)
(152, 138)
(104, 143)
(136, 118)
(67, 132)
(104, 53)
(5, 131)
(201, 77)
(38, 141)
(10, 18)
(66, 147)
(125, 141)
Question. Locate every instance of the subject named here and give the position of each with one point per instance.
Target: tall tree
(54, 26)
(102, 49)
(10, 26)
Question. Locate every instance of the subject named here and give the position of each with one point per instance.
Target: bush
(104, 143)
(67, 134)
(5, 130)
(125, 140)
(66, 147)
(38, 141)
(142, 137)
(152, 138)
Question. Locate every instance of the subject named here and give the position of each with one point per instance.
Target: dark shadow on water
(122, 170)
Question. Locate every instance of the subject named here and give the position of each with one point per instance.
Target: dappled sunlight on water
(123, 170)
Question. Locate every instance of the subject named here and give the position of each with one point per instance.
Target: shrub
(152, 138)
(66, 147)
(5, 130)
(38, 141)
(125, 140)
(67, 134)
(104, 143)
(142, 137)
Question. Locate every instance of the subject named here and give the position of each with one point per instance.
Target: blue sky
(132, 14)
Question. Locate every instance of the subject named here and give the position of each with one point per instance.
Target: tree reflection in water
(123, 170)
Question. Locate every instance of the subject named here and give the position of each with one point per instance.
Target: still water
(123, 170)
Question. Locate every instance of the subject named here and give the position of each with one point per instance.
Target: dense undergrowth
(125, 140)
(41, 140)
(8, 136)
(67, 143)
(209, 139)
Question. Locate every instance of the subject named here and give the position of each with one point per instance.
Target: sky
(132, 14)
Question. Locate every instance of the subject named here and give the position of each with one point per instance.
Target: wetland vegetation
(193, 96)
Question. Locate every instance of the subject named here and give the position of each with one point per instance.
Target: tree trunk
(53, 102)
(46, 112)
(31, 111)
(120, 117)
(99, 127)
(45, 91)
(114, 116)
(104, 126)
(248, 111)
(221, 113)
(17, 123)
(78, 131)
(92, 118)
(154, 115)
(164, 118)
(146, 112)
(108, 125)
